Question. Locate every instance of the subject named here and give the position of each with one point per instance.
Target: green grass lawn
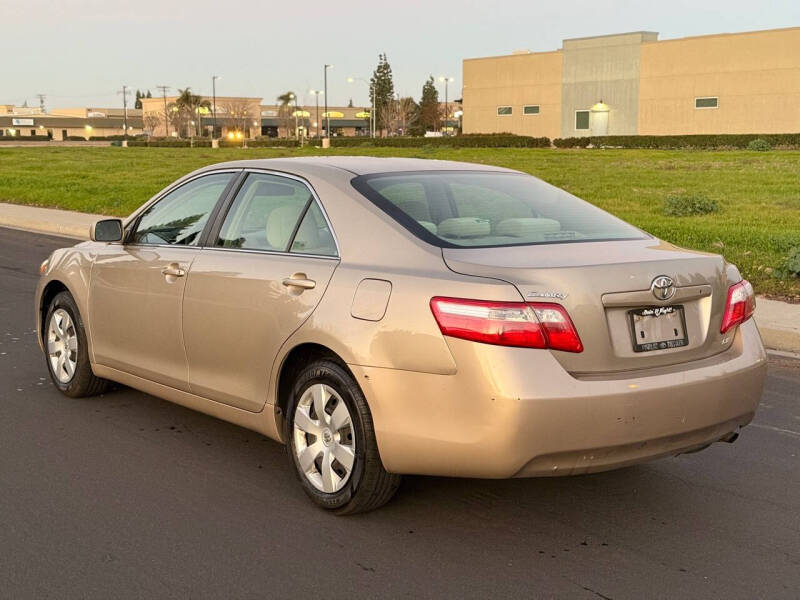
(758, 192)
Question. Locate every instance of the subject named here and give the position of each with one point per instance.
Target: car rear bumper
(512, 412)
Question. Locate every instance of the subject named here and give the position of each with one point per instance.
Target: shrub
(791, 265)
(759, 145)
(677, 142)
(687, 205)
(24, 138)
(498, 140)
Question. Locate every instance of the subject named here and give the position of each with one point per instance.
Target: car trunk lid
(600, 283)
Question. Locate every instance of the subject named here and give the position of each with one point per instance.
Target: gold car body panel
(440, 406)
(237, 313)
(135, 309)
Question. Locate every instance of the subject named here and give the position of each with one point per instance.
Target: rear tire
(67, 352)
(335, 454)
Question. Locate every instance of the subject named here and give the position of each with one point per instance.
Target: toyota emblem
(663, 287)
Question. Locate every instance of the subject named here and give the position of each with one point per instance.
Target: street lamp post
(317, 94)
(372, 99)
(327, 115)
(446, 81)
(214, 103)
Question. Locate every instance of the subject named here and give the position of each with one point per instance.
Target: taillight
(740, 305)
(520, 324)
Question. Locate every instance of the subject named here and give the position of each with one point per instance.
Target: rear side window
(472, 209)
(276, 214)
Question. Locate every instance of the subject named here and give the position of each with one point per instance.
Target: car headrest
(527, 227)
(460, 227)
(429, 226)
(280, 224)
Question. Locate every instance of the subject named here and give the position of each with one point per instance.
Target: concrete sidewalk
(779, 322)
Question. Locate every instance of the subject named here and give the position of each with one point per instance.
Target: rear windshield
(467, 209)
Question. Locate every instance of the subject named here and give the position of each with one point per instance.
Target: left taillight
(739, 307)
(518, 324)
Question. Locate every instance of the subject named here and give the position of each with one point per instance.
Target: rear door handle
(173, 270)
(299, 280)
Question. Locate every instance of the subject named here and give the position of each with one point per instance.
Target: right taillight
(740, 305)
(520, 324)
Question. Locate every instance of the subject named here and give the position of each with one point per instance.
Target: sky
(81, 52)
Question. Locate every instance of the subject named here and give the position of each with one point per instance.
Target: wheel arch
(50, 291)
(294, 360)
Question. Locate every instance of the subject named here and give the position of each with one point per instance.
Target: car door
(136, 288)
(254, 284)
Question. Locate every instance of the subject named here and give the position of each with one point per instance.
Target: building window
(708, 102)
(33, 132)
(581, 119)
(504, 111)
(530, 109)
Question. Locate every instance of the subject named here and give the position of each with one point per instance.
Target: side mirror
(107, 230)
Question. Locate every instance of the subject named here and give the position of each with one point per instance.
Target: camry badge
(663, 287)
(547, 294)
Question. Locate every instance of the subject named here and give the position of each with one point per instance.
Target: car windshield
(467, 209)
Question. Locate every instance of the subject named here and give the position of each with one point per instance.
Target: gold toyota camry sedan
(391, 316)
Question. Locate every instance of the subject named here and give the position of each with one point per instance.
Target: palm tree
(189, 106)
(285, 110)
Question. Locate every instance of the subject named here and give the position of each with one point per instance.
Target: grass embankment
(755, 226)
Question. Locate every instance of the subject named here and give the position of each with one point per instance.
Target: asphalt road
(128, 496)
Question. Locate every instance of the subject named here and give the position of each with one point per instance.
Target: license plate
(658, 328)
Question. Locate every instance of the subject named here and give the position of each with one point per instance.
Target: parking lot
(126, 495)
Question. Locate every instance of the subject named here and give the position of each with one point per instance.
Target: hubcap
(324, 439)
(62, 345)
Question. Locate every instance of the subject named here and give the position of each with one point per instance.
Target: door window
(179, 217)
(265, 215)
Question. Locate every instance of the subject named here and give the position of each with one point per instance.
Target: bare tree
(398, 114)
(238, 115)
(152, 121)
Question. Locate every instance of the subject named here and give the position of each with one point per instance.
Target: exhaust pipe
(731, 437)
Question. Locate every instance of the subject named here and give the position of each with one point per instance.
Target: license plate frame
(642, 321)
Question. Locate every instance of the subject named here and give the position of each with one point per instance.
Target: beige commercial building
(633, 83)
(248, 116)
(65, 123)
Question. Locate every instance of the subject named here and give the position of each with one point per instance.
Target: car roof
(357, 165)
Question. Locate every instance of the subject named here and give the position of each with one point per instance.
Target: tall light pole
(164, 89)
(372, 99)
(317, 94)
(296, 125)
(124, 93)
(327, 115)
(214, 103)
(446, 81)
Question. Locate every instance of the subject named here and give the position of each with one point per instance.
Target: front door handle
(300, 281)
(173, 270)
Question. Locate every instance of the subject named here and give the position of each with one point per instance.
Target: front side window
(179, 217)
(504, 111)
(581, 119)
(276, 214)
(472, 209)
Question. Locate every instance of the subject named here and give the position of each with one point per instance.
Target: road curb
(778, 322)
(47, 220)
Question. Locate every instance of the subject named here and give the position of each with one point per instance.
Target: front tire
(331, 441)
(67, 352)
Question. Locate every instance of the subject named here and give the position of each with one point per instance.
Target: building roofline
(606, 35)
(725, 34)
(557, 51)
(648, 42)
